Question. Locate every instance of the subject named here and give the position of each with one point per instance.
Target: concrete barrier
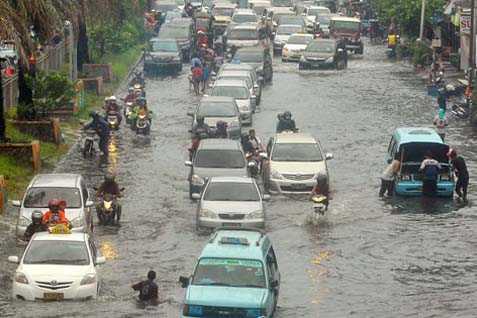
(20, 150)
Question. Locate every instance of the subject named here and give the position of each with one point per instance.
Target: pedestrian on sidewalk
(460, 168)
(389, 175)
(440, 121)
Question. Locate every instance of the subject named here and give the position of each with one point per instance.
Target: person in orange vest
(54, 215)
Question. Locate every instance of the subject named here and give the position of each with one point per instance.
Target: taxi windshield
(230, 272)
(57, 252)
(38, 197)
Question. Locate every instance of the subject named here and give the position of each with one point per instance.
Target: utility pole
(72, 49)
(472, 44)
(423, 13)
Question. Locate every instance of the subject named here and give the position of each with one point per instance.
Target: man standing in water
(148, 289)
(430, 167)
(460, 168)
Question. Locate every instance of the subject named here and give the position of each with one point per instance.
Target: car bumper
(289, 186)
(317, 64)
(215, 223)
(414, 188)
(150, 67)
(291, 56)
(32, 292)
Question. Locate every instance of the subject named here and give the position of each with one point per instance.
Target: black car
(162, 54)
(182, 33)
(324, 53)
(258, 57)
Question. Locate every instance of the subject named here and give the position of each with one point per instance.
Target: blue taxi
(235, 276)
(411, 144)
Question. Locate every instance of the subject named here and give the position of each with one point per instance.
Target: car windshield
(296, 152)
(282, 3)
(237, 77)
(216, 109)
(162, 46)
(223, 12)
(324, 19)
(287, 30)
(322, 47)
(39, 197)
(315, 12)
(238, 92)
(277, 15)
(57, 252)
(230, 272)
(347, 25)
(219, 158)
(299, 39)
(231, 191)
(241, 18)
(243, 34)
(249, 56)
(291, 20)
(170, 31)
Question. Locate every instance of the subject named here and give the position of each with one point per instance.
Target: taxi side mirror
(266, 197)
(16, 203)
(89, 204)
(13, 259)
(184, 281)
(188, 163)
(100, 260)
(329, 156)
(195, 196)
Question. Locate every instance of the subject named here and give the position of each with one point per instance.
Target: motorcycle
(143, 125)
(90, 143)
(113, 120)
(127, 111)
(255, 163)
(319, 204)
(108, 212)
(391, 51)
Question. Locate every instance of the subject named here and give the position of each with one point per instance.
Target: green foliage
(418, 52)
(50, 90)
(407, 13)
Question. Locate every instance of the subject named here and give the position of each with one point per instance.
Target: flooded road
(368, 257)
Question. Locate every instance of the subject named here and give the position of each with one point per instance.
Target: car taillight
(185, 310)
(263, 312)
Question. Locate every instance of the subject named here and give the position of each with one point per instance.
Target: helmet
(106, 99)
(141, 100)
(452, 153)
(36, 217)
(54, 205)
(130, 89)
(450, 88)
(109, 177)
(200, 119)
(287, 115)
(151, 275)
(221, 125)
(321, 177)
(112, 98)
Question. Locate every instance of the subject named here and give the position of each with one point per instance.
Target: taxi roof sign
(59, 229)
(234, 240)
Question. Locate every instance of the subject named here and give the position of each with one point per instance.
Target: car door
(85, 197)
(273, 273)
(95, 254)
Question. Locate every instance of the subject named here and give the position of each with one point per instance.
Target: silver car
(238, 90)
(247, 77)
(296, 159)
(242, 35)
(44, 187)
(230, 201)
(215, 157)
(215, 108)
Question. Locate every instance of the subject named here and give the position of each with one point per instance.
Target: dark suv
(324, 53)
(259, 57)
(162, 54)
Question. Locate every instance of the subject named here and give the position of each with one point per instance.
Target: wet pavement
(368, 257)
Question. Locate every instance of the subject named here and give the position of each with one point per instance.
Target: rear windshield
(39, 197)
(176, 31)
(223, 12)
(249, 56)
(322, 47)
(350, 25)
(241, 18)
(231, 191)
(277, 15)
(243, 78)
(243, 34)
(282, 3)
(219, 158)
(315, 12)
(287, 30)
(238, 92)
(217, 109)
(299, 39)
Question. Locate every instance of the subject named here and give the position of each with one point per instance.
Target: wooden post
(55, 127)
(35, 154)
(3, 195)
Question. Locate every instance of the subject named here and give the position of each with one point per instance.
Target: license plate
(298, 187)
(53, 296)
(231, 224)
(316, 64)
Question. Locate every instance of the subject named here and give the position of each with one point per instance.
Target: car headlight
(275, 175)
(329, 60)
(21, 278)
(176, 59)
(23, 221)
(445, 177)
(88, 279)
(255, 215)
(192, 310)
(204, 213)
(196, 180)
(77, 222)
(302, 59)
(284, 49)
(406, 178)
(244, 109)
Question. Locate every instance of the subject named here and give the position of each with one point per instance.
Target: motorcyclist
(54, 215)
(202, 39)
(35, 226)
(198, 136)
(113, 107)
(256, 142)
(189, 9)
(201, 125)
(221, 129)
(138, 79)
(109, 186)
(247, 144)
(322, 187)
(131, 96)
(285, 122)
(101, 127)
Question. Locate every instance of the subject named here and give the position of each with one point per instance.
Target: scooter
(113, 120)
(319, 204)
(90, 143)
(255, 163)
(108, 213)
(127, 111)
(143, 125)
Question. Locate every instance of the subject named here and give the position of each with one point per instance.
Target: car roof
(245, 26)
(73, 236)
(299, 138)
(322, 40)
(224, 5)
(231, 179)
(219, 143)
(417, 134)
(65, 180)
(212, 99)
(318, 7)
(234, 72)
(281, 9)
(215, 248)
(245, 11)
(308, 35)
(289, 25)
(341, 18)
(230, 82)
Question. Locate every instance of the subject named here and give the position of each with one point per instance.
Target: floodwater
(368, 257)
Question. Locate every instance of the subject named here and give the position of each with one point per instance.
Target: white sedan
(295, 45)
(57, 267)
